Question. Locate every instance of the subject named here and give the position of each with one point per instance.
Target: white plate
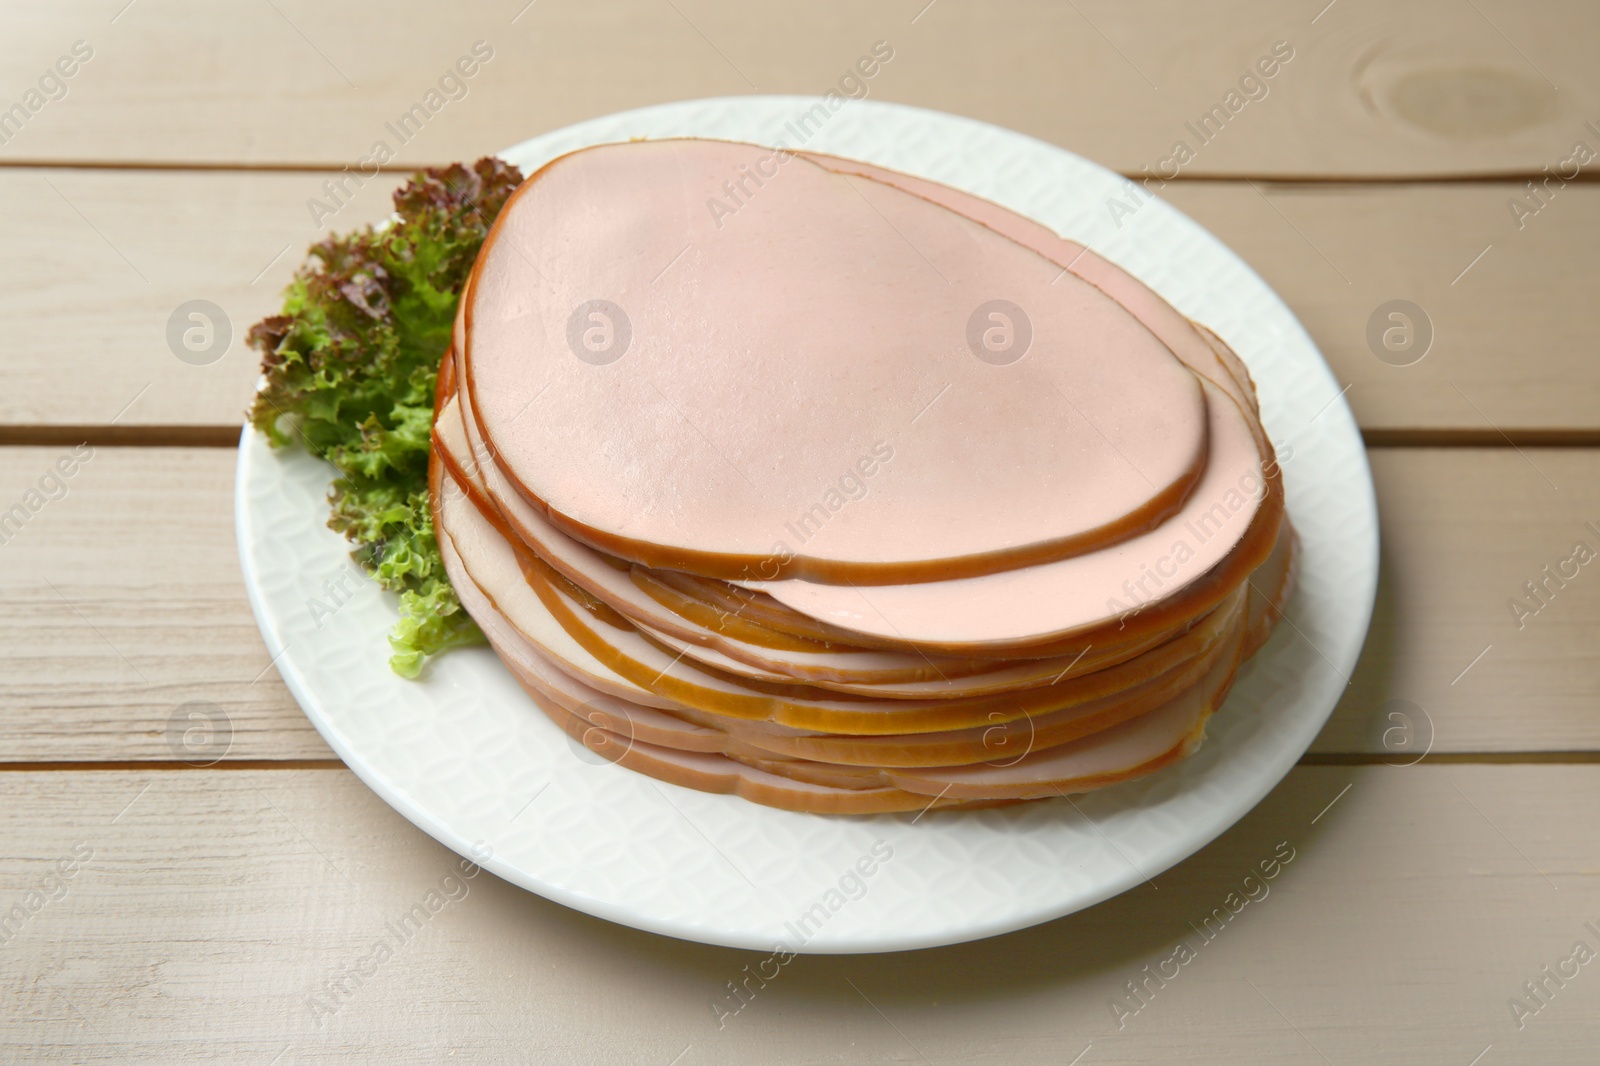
(467, 757)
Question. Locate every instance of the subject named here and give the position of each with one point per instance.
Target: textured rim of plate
(465, 756)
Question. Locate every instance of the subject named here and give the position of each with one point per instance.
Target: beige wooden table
(208, 910)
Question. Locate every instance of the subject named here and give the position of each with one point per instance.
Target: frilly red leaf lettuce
(349, 369)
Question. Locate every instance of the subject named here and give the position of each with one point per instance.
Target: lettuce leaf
(348, 372)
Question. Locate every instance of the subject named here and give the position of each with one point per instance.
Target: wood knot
(1472, 102)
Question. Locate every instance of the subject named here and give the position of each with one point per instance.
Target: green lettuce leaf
(348, 372)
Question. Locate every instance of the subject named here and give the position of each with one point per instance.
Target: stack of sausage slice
(779, 474)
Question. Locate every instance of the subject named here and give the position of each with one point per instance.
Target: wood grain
(122, 601)
(216, 903)
(215, 909)
(1513, 340)
(1463, 530)
(1374, 89)
(102, 259)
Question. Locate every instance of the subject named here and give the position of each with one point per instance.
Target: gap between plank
(1457, 758)
(1480, 438)
(213, 436)
(1485, 177)
(130, 436)
(82, 766)
(1454, 758)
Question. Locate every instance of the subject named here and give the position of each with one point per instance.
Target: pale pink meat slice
(1149, 741)
(1000, 744)
(694, 731)
(611, 727)
(1270, 588)
(860, 672)
(590, 569)
(472, 536)
(1058, 599)
(1197, 347)
(636, 737)
(609, 651)
(1008, 676)
(596, 708)
(719, 773)
(663, 747)
(733, 415)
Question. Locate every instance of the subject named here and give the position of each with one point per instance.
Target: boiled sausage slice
(885, 388)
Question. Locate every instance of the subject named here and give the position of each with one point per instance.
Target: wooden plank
(1464, 531)
(122, 601)
(1512, 327)
(1427, 88)
(211, 910)
(101, 260)
(101, 263)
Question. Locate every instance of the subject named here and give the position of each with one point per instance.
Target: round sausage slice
(835, 379)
